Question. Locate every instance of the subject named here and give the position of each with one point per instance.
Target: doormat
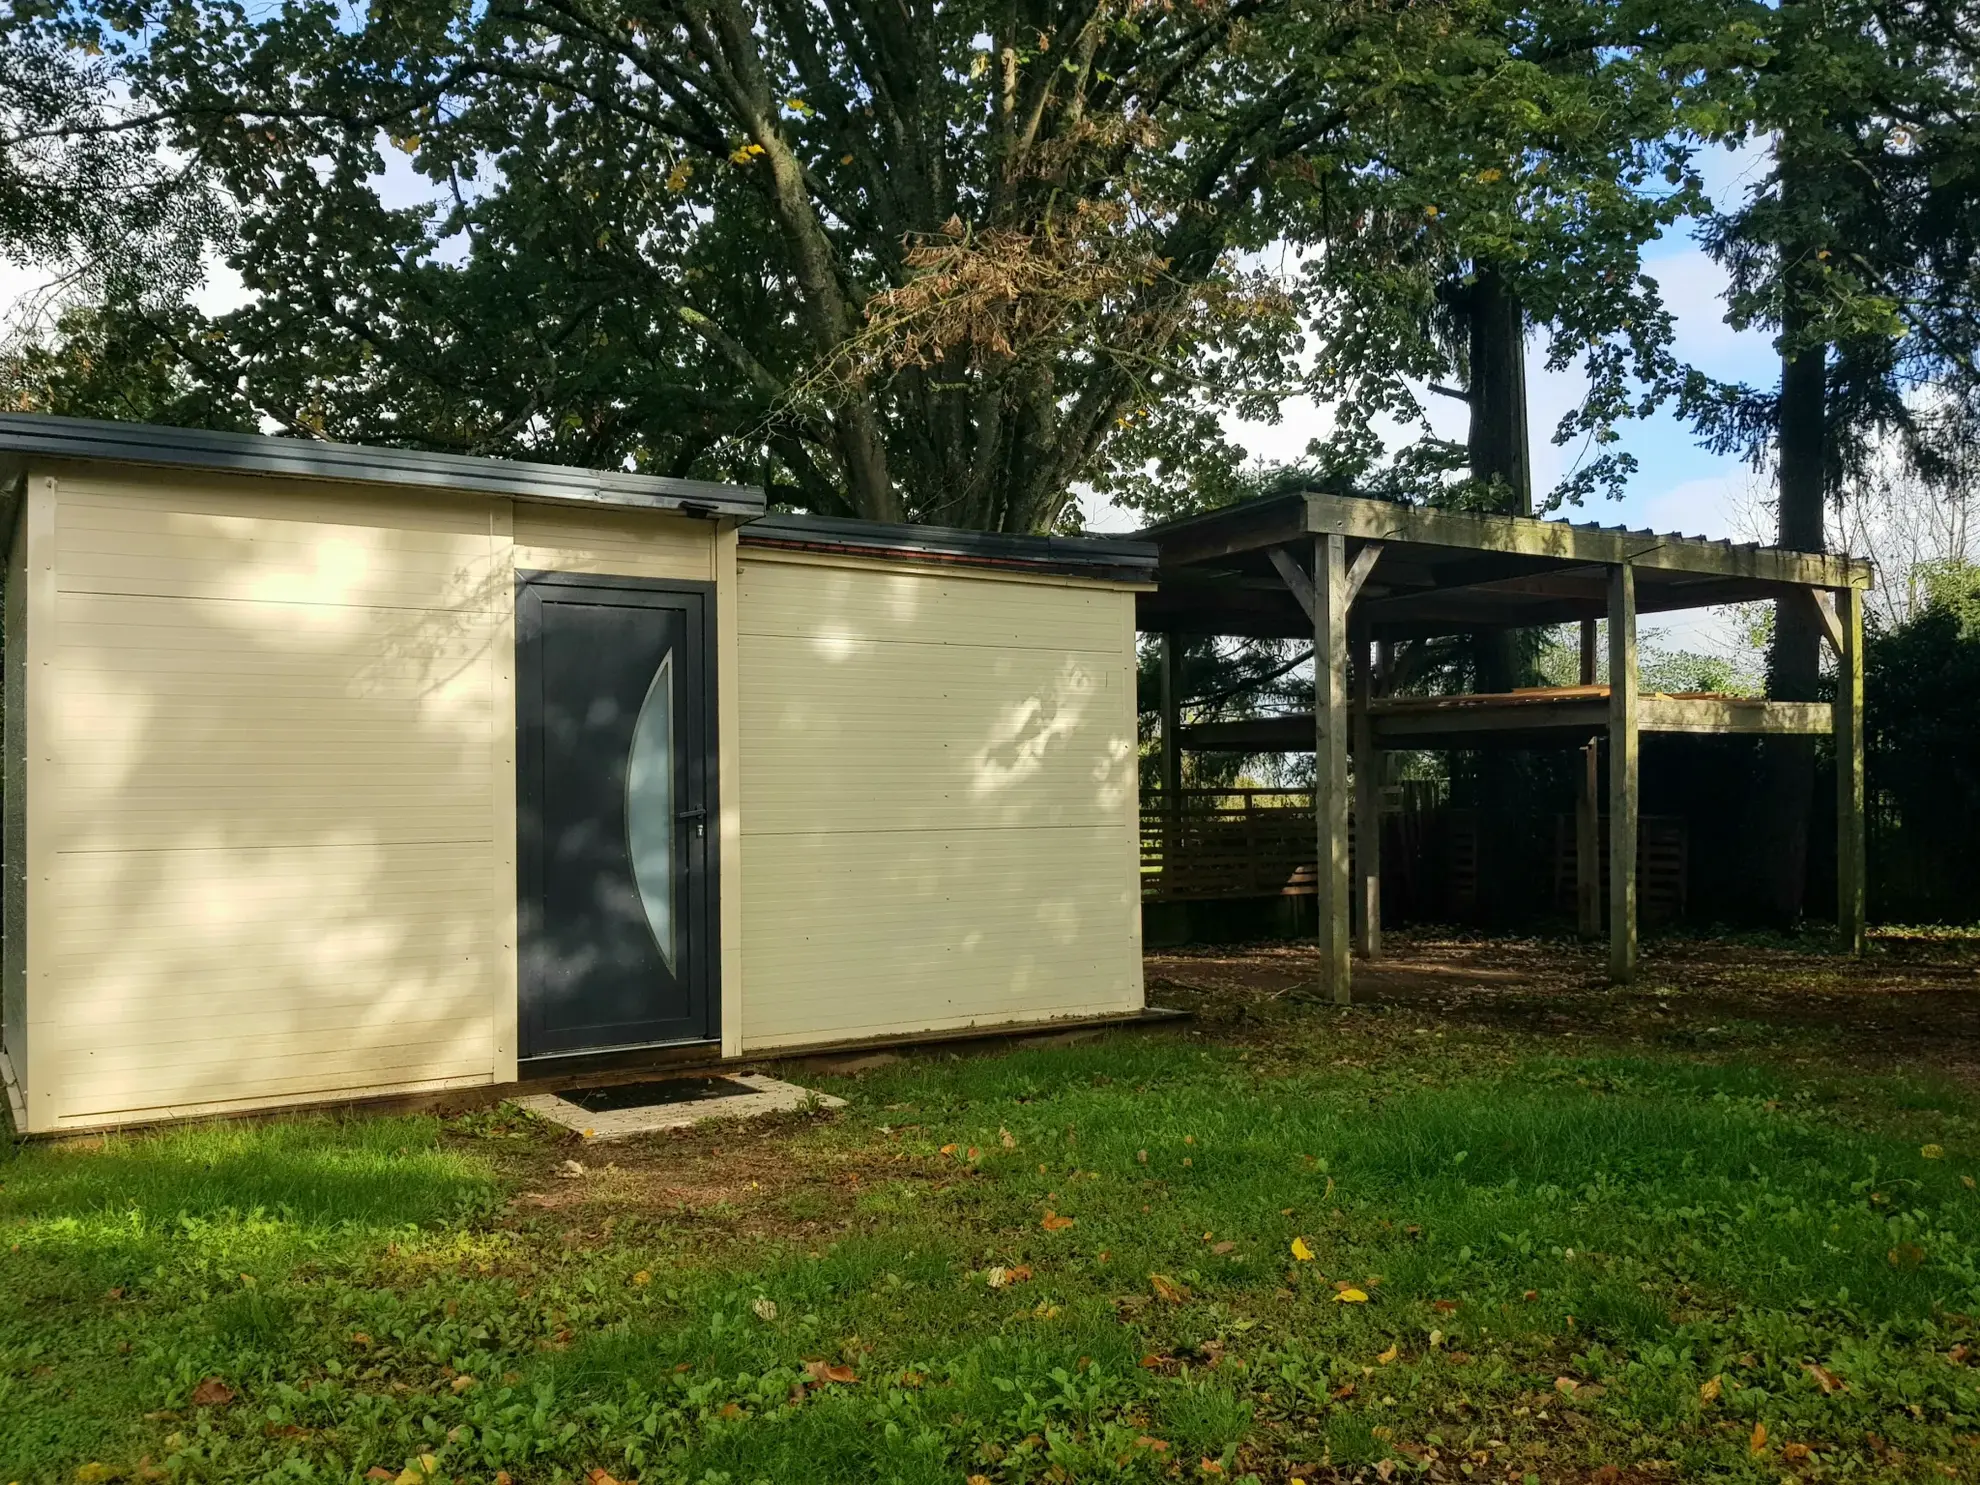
(671, 1103)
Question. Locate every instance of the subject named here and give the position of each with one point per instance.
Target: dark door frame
(703, 950)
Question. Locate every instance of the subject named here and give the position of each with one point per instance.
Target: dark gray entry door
(615, 780)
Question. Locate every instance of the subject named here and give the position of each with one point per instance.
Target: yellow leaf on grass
(1211, 1467)
(642, 1278)
(1933, 1152)
(1053, 1222)
(1758, 1443)
(1007, 1139)
(1708, 1392)
(1300, 1251)
(1796, 1453)
(1351, 1297)
(1389, 1355)
(1167, 1289)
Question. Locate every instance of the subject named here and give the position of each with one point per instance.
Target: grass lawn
(1607, 1257)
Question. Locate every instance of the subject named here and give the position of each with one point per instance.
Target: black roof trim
(1123, 559)
(40, 435)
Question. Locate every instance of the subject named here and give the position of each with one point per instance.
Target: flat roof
(40, 435)
(1126, 559)
(25, 436)
(1446, 571)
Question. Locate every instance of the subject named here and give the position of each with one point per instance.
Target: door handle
(700, 818)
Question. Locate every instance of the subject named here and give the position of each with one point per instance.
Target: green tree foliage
(942, 263)
(1922, 751)
(84, 189)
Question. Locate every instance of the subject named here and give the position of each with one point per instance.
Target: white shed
(337, 773)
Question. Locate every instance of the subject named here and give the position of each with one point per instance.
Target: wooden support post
(1588, 844)
(1330, 760)
(1588, 814)
(1170, 757)
(1851, 862)
(1623, 709)
(1171, 719)
(1367, 810)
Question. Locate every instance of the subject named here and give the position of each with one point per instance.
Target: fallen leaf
(975, 1154)
(1167, 1289)
(1436, 1339)
(764, 1308)
(950, 1149)
(599, 1477)
(1300, 1251)
(360, 1339)
(1444, 1306)
(212, 1393)
(1343, 1392)
(502, 1477)
(1932, 1152)
(1531, 1295)
(1351, 1297)
(1758, 1443)
(642, 1279)
(1053, 1222)
(1154, 1363)
(1141, 1157)
(1565, 1386)
(1827, 1380)
(973, 1479)
(1796, 1453)
(1158, 1445)
(461, 1383)
(1708, 1392)
(1906, 1255)
(1224, 1247)
(823, 1371)
(730, 1410)
(1389, 1355)
(95, 1473)
(999, 1277)
(912, 1378)
(1211, 1467)
(1007, 1139)
(570, 1170)
(379, 1472)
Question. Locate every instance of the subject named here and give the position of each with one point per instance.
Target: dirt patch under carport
(1911, 1003)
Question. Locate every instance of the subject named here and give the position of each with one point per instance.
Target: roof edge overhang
(40, 435)
(1255, 525)
(1096, 558)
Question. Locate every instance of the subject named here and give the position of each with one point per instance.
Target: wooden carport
(1356, 575)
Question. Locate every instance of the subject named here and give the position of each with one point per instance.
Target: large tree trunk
(1497, 440)
(1794, 661)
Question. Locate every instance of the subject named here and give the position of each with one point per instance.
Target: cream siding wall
(939, 807)
(13, 817)
(281, 805)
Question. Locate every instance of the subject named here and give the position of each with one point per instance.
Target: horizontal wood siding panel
(275, 743)
(827, 606)
(246, 544)
(905, 735)
(616, 543)
(865, 934)
(938, 803)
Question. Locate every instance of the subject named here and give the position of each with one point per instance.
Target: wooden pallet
(1662, 866)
